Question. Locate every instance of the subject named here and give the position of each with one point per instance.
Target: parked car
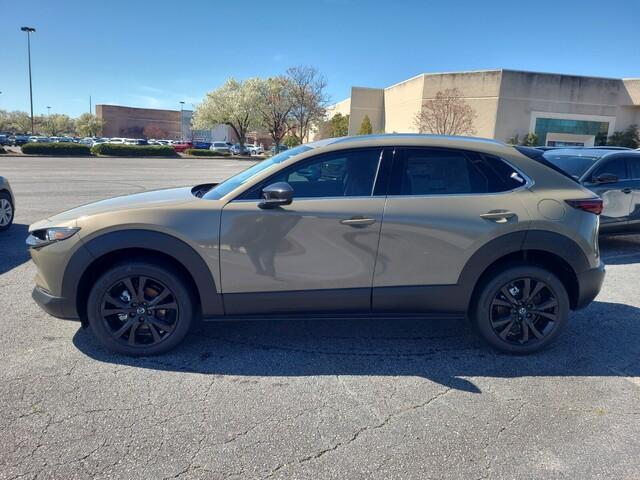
(182, 146)
(275, 149)
(7, 204)
(254, 149)
(222, 147)
(18, 140)
(201, 144)
(39, 139)
(611, 173)
(471, 227)
(4, 139)
(236, 149)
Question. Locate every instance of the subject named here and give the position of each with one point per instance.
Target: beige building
(560, 109)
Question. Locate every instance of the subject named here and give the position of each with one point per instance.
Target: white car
(222, 147)
(39, 139)
(254, 149)
(116, 140)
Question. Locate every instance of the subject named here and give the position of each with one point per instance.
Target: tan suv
(388, 225)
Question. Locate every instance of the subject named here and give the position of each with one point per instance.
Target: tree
(291, 141)
(154, 131)
(232, 104)
(630, 137)
(446, 114)
(58, 124)
(339, 125)
(274, 105)
(88, 125)
(309, 100)
(365, 126)
(530, 140)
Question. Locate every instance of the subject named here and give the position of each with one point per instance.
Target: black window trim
(310, 159)
(398, 156)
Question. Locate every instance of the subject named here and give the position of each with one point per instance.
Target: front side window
(344, 174)
(426, 171)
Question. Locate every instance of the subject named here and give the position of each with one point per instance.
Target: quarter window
(422, 171)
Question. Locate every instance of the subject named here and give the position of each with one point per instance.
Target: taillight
(591, 205)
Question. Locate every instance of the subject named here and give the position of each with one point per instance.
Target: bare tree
(446, 114)
(309, 100)
(275, 104)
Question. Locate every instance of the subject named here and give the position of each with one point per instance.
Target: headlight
(46, 236)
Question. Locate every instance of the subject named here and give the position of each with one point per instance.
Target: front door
(633, 162)
(316, 254)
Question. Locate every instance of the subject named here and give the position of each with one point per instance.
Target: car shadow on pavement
(603, 340)
(13, 251)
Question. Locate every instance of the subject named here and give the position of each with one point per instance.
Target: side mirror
(605, 178)
(276, 194)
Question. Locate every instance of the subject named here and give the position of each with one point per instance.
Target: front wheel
(521, 309)
(140, 308)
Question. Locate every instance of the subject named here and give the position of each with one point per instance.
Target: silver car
(7, 204)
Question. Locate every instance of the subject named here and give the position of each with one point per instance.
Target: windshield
(574, 165)
(239, 179)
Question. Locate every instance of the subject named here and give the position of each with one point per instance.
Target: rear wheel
(140, 308)
(6, 211)
(522, 309)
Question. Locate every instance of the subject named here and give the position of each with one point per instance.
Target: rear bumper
(58, 307)
(589, 284)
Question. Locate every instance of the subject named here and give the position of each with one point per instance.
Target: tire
(7, 211)
(512, 323)
(113, 311)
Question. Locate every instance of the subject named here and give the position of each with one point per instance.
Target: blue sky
(154, 54)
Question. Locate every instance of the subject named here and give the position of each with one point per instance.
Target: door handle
(626, 190)
(498, 216)
(358, 221)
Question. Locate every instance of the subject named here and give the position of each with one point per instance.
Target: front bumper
(589, 285)
(58, 307)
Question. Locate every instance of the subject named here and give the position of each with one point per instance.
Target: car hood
(150, 199)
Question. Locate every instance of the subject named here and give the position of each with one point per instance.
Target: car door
(442, 206)
(616, 195)
(633, 164)
(316, 254)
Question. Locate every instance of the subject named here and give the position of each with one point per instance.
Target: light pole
(49, 117)
(29, 31)
(181, 122)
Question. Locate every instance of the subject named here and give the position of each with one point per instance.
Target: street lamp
(49, 116)
(181, 122)
(29, 31)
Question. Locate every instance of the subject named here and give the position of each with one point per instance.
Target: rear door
(616, 196)
(443, 204)
(633, 163)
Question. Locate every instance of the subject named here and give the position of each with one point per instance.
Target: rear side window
(616, 166)
(426, 171)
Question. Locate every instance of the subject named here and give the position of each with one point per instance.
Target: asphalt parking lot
(305, 400)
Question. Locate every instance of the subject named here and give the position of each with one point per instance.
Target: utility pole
(90, 106)
(49, 117)
(29, 31)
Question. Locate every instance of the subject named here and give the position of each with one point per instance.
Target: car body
(221, 147)
(611, 173)
(381, 225)
(7, 204)
(182, 146)
(4, 139)
(39, 139)
(201, 144)
(116, 140)
(18, 140)
(254, 149)
(237, 149)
